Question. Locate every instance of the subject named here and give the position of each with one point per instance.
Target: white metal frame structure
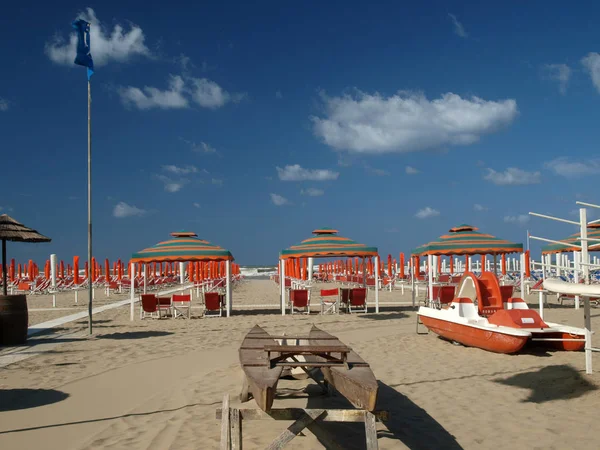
(585, 269)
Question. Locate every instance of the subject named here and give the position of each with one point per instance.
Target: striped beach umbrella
(574, 242)
(326, 242)
(467, 240)
(183, 247)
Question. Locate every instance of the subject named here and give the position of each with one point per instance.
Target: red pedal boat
(484, 314)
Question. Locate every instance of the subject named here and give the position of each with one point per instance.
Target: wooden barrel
(14, 319)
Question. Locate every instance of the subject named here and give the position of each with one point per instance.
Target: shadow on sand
(53, 340)
(134, 334)
(549, 383)
(384, 315)
(407, 423)
(16, 399)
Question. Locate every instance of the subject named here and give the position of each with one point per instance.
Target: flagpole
(90, 268)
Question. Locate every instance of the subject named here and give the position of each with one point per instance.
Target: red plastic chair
(446, 295)
(213, 304)
(149, 306)
(165, 306)
(299, 298)
(344, 297)
(358, 300)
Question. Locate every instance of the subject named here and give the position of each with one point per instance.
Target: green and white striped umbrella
(467, 240)
(326, 243)
(185, 246)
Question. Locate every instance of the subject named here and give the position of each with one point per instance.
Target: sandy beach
(155, 384)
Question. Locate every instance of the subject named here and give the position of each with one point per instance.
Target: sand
(155, 384)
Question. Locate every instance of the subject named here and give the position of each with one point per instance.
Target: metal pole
(377, 284)
(586, 300)
(228, 287)
(90, 269)
(495, 265)
(4, 281)
(282, 285)
(412, 279)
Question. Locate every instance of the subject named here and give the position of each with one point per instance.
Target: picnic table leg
(236, 429)
(225, 425)
(244, 397)
(371, 431)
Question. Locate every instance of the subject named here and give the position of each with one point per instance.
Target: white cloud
(426, 213)
(217, 181)
(209, 94)
(278, 200)
(3, 104)
(203, 92)
(377, 172)
(411, 170)
(571, 169)
(478, 207)
(207, 148)
(184, 61)
(408, 122)
(278, 95)
(312, 192)
(459, 30)
(170, 184)
(560, 73)
(512, 176)
(297, 173)
(521, 219)
(105, 45)
(200, 147)
(196, 205)
(592, 64)
(122, 209)
(184, 170)
(151, 97)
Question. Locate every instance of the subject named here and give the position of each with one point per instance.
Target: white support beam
(543, 216)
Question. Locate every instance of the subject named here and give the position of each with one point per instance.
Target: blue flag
(84, 57)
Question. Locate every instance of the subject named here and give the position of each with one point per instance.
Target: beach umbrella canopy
(183, 247)
(467, 240)
(324, 243)
(11, 230)
(574, 242)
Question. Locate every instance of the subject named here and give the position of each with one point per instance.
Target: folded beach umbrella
(573, 242)
(11, 230)
(467, 240)
(184, 247)
(324, 243)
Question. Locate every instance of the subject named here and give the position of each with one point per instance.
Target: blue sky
(253, 125)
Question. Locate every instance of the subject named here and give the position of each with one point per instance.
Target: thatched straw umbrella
(11, 230)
